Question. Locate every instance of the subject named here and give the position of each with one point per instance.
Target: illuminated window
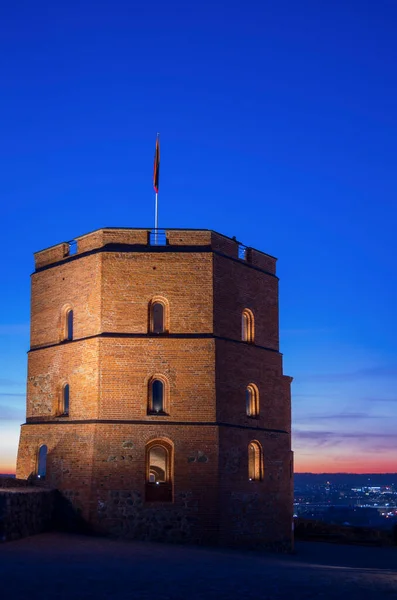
(247, 326)
(65, 400)
(158, 464)
(255, 461)
(252, 400)
(159, 471)
(156, 396)
(42, 462)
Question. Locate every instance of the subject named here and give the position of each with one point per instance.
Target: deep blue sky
(279, 126)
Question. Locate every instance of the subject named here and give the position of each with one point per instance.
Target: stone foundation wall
(12, 482)
(121, 502)
(124, 514)
(25, 511)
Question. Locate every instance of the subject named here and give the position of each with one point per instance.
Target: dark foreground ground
(63, 566)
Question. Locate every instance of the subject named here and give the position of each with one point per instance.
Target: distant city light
(345, 502)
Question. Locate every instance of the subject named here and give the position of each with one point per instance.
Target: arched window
(156, 399)
(65, 400)
(158, 315)
(252, 400)
(42, 462)
(255, 461)
(247, 326)
(157, 318)
(69, 325)
(158, 464)
(67, 329)
(66, 324)
(159, 471)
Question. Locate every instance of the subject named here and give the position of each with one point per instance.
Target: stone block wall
(25, 511)
(12, 482)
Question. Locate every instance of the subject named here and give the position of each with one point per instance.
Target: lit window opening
(252, 401)
(247, 326)
(158, 472)
(255, 461)
(157, 396)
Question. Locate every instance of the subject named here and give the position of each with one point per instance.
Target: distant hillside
(370, 479)
(7, 475)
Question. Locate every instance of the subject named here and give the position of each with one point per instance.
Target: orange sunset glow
(348, 464)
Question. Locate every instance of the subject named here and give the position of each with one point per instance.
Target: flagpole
(156, 218)
(156, 175)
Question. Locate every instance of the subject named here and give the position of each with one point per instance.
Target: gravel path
(61, 566)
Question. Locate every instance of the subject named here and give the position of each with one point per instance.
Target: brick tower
(156, 401)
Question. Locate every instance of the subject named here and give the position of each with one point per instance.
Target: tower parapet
(146, 238)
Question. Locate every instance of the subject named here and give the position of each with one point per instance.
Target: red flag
(156, 169)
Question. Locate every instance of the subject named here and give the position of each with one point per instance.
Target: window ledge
(154, 413)
(159, 483)
(157, 333)
(158, 492)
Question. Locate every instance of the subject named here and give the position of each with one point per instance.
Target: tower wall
(132, 279)
(255, 513)
(237, 366)
(239, 285)
(251, 512)
(74, 284)
(71, 448)
(50, 368)
(126, 366)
